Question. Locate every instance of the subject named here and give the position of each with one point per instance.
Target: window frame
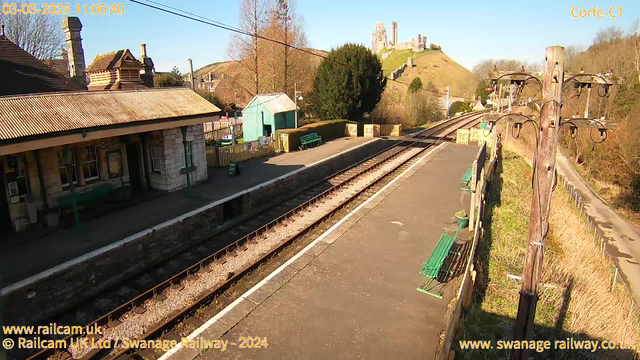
(84, 161)
(61, 166)
(156, 162)
(189, 157)
(189, 154)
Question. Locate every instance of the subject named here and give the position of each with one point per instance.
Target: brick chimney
(72, 27)
(148, 71)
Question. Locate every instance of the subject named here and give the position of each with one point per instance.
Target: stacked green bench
(309, 139)
(466, 179)
(433, 266)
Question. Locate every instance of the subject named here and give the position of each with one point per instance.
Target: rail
(250, 238)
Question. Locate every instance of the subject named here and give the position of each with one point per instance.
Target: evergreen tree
(349, 84)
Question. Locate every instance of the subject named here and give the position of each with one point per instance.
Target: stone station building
(96, 145)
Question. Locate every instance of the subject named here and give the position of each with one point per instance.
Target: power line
(204, 20)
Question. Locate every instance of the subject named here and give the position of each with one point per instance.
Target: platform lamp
(297, 95)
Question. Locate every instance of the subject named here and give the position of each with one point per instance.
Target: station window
(89, 163)
(64, 174)
(157, 156)
(19, 188)
(189, 155)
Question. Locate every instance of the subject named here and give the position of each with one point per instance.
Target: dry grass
(578, 303)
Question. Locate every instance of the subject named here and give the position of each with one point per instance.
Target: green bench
(309, 139)
(87, 196)
(433, 266)
(466, 179)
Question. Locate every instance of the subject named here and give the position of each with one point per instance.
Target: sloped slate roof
(276, 103)
(114, 59)
(39, 114)
(22, 73)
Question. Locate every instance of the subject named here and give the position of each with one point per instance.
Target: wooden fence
(479, 187)
(222, 156)
(217, 134)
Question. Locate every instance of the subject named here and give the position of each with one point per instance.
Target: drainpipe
(186, 162)
(43, 188)
(74, 203)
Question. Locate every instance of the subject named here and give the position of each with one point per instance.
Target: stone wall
(172, 175)
(92, 274)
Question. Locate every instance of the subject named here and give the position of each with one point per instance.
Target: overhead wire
(204, 20)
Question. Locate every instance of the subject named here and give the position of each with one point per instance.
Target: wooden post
(615, 279)
(193, 81)
(472, 191)
(506, 137)
(586, 110)
(543, 175)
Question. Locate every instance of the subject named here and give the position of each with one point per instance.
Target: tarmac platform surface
(352, 292)
(30, 252)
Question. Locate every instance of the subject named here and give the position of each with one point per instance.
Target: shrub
(328, 130)
(459, 106)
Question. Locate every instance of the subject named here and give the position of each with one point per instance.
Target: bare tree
(482, 69)
(571, 52)
(634, 37)
(608, 35)
(282, 64)
(40, 35)
(244, 48)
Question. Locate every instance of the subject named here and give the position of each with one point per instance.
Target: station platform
(352, 292)
(28, 253)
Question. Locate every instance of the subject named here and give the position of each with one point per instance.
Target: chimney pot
(143, 50)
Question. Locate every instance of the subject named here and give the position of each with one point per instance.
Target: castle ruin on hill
(379, 40)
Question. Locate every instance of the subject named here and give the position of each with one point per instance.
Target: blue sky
(468, 31)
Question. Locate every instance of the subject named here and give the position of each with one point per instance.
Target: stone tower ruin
(379, 39)
(394, 34)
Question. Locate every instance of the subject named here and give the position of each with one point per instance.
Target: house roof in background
(276, 103)
(114, 60)
(58, 66)
(39, 114)
(22, 73)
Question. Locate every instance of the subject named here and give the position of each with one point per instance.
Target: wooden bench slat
(310, 139)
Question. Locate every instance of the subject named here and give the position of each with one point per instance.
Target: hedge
(328, 130)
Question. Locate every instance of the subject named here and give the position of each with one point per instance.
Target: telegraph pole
(193, 81)
(543, 178)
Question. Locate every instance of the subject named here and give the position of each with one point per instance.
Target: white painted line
(88, 256)
(256, 287)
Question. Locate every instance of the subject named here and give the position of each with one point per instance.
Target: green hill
(432, 66)
(397, 58)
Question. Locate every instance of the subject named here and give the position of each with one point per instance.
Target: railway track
(146, 305)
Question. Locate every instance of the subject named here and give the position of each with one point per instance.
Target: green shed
(265, 114)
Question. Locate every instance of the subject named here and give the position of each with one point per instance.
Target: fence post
(472, 191)
(615, 278)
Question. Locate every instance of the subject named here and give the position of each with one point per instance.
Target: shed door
(267, 130)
